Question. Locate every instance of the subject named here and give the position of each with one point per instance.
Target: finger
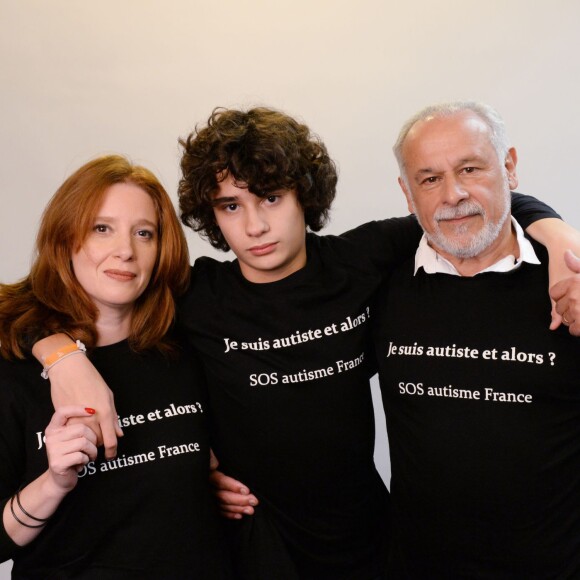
(213, 460)
(57, 447)
(224, 482)
(572, 261)
(231, 516)
(70, 432)
(236, 511)
(70, 461)
(227, 498)
(109, 439)
(61, 415)
(556, 318)
(559, 290)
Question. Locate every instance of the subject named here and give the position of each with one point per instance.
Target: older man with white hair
(482, 399)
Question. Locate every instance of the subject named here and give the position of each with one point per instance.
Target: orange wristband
(60, 354)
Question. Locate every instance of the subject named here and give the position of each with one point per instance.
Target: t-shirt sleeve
(387, 243)
(7, 547)
(12, 451)
(527, 209)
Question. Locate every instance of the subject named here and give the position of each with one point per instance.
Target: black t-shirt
(287, 365)
(146, 514)
(483, 413)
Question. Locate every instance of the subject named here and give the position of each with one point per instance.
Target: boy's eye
(272, 198)
(231, 207)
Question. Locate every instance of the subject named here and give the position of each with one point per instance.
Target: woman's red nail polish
(90, 411)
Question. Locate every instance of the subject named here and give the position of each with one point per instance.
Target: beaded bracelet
(61, 354)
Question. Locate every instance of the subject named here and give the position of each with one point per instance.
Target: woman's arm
(75, 381)
(68, 447)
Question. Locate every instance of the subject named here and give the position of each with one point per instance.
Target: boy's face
(268, 235)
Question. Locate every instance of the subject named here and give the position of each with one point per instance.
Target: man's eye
(431, 179)
(469, 169)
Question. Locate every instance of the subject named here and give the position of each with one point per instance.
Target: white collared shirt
(433, 263)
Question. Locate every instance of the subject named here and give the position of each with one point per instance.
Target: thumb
(572, 261)
(556, 318)
(213, 461)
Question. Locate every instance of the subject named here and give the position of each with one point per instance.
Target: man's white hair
(489, 115)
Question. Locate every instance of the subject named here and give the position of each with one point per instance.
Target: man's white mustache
(466, 208)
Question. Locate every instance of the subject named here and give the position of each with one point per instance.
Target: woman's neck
(113, 326)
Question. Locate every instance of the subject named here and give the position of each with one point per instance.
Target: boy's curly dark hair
(262, 149)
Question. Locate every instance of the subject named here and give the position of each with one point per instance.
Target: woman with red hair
(111, 257)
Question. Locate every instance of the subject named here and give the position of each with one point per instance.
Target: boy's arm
(566, 295)
(75, 381)
(543, 224)
(559, 237)
(233, 497)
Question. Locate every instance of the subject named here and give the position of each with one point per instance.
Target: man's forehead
(462, 122)
(464, 134)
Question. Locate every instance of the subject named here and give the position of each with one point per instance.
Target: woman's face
(115, 261)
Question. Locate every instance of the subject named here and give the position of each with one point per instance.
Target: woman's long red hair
(50, 299)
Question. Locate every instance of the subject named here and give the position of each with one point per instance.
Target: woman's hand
(69, 446)
(75, 381)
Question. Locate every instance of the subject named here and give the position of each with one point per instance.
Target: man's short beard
(478, 242)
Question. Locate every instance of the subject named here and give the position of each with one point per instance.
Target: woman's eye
(147, 234)
(101, 228)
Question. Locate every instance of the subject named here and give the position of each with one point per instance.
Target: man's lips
(120, 275)
(457, 220)
(263, 249)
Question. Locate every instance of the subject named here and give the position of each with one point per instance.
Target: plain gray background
(79, 79)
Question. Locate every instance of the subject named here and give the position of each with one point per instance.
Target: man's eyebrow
(220, 200)
(463, 161)
(420, 172)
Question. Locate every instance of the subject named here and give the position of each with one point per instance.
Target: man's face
(268, 235)
(456, 185)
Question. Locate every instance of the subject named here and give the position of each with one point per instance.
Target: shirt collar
(433, 263)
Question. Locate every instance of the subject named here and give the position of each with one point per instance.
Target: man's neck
(506, 244)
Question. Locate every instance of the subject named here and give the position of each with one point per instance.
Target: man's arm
(75, 381)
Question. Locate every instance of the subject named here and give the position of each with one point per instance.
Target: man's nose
(256, 222)
(453, 191)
